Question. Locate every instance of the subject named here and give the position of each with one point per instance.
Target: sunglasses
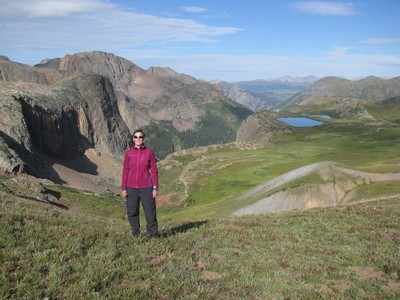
(138, 136)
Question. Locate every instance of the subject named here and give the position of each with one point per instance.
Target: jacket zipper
(137, 167)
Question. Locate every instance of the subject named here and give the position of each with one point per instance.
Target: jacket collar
(142, 147)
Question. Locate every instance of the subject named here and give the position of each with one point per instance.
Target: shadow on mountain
(81, 165)
(182, 228)
(50, 174)
(57, 137)
(16, 153)
(27, 162)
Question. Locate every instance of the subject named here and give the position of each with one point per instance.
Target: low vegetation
(86, 251)
(216, 176)
(350, 252)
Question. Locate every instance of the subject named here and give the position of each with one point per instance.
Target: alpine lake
(304, 121)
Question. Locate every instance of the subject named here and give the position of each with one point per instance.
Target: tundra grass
(389, 111)
(223, 172)
(351, 252)
(377, 190)
(358, 146)
(107, 204)
(229, 172)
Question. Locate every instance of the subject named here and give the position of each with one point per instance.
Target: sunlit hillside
(363, 162)
(57, 242)
(48, 252)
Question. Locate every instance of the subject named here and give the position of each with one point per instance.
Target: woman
(140, 184)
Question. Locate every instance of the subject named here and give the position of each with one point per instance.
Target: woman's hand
(155, 192)
(124, 193)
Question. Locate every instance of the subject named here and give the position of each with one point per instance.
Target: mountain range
(82, 108)
(336, 96)
(264, 94)
(63, 107)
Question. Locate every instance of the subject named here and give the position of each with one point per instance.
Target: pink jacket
(139, 169)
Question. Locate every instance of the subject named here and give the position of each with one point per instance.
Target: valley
(249, 207)
(220, 175)
(346, 162)
(72, 117)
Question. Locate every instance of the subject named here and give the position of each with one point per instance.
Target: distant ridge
(368, 89)
(264, 93)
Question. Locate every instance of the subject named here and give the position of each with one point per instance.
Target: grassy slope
(342, 253)
(222, 174)
(348, 252)
(388, 110)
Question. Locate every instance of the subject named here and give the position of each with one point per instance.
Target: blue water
(300, 122)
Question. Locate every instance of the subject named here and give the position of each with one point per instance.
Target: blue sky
(212, 39)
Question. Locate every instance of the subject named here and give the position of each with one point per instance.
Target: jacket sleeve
(125, 172)
(153, 169)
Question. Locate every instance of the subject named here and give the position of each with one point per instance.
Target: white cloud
(194, 9)
(339, 52)
(343, 55)
(381, 41)
(325, 8)
(86, 25)
(49, 8)
(31, 30)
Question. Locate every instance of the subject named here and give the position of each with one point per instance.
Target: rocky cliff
(60, 121)
(149, 95)
(58, 110)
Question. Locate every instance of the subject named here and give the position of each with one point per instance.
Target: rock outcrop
(260, 127)
(61, 121)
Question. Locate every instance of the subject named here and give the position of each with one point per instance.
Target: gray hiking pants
(144, 195)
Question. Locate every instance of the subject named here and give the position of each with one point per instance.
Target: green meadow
(224, 173)
(343, 252)
(350, 252)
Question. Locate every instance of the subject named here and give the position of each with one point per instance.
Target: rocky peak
(15, 72)
(3, 57)
(259, 128)
(113, 67)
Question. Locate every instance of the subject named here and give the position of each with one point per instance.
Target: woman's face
(138, 138)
